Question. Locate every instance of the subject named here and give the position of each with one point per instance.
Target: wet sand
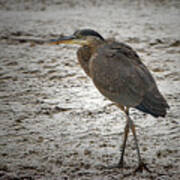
(54, 124)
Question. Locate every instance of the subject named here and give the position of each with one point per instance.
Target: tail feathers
(154, 106)
(143, 108)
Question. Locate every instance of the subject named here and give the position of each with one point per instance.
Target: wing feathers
(119, 74)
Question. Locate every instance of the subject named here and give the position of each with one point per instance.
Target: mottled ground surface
(54, 124)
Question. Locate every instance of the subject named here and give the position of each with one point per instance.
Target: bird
(119, 74)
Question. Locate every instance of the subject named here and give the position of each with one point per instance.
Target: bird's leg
(126, 132)
(141, 164)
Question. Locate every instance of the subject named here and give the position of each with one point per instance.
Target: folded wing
(119, 74)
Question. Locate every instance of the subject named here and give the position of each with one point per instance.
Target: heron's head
(80, 37)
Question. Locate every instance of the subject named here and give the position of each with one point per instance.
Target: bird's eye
(79, 36)
(76, 34)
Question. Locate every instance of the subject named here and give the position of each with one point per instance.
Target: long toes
(142, 167)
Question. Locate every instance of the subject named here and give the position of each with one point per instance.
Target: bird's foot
(120, 164)
(142, 166)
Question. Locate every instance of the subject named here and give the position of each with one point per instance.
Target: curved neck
(85, 53)
(94, 44)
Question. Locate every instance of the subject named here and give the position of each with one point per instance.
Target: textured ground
(54, 124)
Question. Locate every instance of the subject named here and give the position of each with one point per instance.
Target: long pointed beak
(63, 40)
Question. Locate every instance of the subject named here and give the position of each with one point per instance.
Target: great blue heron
(118, 73)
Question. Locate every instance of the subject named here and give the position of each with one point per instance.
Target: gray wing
(119, 74)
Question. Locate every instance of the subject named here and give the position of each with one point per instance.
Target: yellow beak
(67, 40)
